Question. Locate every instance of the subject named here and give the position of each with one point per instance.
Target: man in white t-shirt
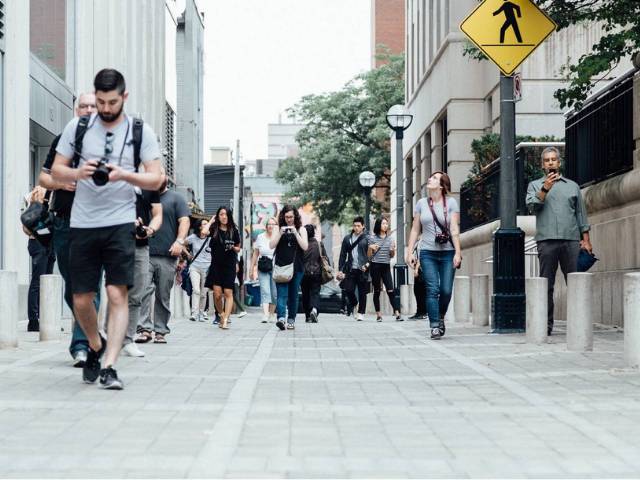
(103, 216)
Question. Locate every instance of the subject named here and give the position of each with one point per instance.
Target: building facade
(387, 28)
(282, 145)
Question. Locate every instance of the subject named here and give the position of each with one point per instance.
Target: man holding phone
(562, 228)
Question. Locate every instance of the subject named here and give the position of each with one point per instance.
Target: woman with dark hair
(225, 245)
(290, 242)
(200, 259)
(438, 218)
(312, 279)
(382, 248)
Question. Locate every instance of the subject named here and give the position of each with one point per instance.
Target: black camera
(442, 238)
(101, 175)
(141, 232)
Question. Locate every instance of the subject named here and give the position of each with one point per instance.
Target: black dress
(224, 258)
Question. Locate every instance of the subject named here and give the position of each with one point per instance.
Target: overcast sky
(261, 56)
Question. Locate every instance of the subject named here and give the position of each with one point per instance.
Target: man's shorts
(92, 249)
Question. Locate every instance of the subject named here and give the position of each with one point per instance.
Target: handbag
(265, 264)
(326, 270)
(586, 260)
(284, 273)
(37, 220)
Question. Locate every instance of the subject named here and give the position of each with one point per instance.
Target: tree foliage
(345, 134)
(620, 20)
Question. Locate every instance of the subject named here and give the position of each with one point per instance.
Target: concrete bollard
(461, 298)
(50, 307)
(579, 312)
(407, 307)
(632, 319)
(536, 292)
(9, 309)
(480, 300)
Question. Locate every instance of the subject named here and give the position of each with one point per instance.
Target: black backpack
(81, 130)
(312, 260)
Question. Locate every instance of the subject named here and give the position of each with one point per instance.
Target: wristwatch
(545, 190)
(180, 241)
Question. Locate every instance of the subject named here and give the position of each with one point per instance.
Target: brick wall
(388, 26)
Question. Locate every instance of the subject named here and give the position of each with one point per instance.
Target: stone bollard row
(579, 312)
(461, 298)
(50, 307)
(536, 323)
(9, 309)
(480, 300)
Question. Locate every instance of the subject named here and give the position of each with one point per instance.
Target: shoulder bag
(184, 273)
(284, 273)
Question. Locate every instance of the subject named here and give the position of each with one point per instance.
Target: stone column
(50, 307)
(536, 291)
(632, 319)
(480, 300)
(461, 298)
(636, 118)
(9, 309)
(579, 312)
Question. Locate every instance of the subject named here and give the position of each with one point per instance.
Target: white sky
(261, 56)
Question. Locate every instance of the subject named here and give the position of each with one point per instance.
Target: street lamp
(367, 180)
(399, 119)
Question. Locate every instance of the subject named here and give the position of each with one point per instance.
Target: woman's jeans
(288, 298)
(268, 291)
(438, 272)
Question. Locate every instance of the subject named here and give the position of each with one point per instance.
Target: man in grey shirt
(164, 249)
(562, 228)
(103, 215)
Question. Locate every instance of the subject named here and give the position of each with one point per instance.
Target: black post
(400, 269)
(367, 208)
(508, 302)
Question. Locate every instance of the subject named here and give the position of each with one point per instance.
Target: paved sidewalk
(335, 399)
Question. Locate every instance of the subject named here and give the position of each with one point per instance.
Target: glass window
(48, 33)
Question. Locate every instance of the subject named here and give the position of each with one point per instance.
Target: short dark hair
(109, 79)
(359, 219)
(311, 230)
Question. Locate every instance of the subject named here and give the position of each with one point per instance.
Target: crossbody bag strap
(189, 262)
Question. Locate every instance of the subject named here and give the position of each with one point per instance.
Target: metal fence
(599, 136)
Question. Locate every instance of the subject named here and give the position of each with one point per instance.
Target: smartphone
(553, 170)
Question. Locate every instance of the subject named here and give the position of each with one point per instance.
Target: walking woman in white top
(262, 270)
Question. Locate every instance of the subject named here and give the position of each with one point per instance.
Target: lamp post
(399, 119)
(367, 180)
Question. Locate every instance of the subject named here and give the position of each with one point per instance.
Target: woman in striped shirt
(382, 248)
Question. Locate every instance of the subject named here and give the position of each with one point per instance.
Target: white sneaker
(132, 350)
(272, 317)
(359, 317)
(241, 314)
(266, 318)
(202, 317)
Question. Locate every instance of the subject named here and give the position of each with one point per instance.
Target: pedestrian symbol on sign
(509, 9)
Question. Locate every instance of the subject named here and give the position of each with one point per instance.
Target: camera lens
(101, 175)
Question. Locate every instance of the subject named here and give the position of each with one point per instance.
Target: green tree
(345, 134)
(620, 20)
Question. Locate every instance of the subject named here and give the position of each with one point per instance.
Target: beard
(110, 117)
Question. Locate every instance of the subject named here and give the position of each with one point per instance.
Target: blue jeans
(438, 272)
(268, 289)
(61, 233)
(288, 298)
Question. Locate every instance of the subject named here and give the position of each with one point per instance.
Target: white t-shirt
(202, 261)
(262, 245)
(114, 203)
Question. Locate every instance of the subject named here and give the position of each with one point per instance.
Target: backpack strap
(81, 129)
(136, 134)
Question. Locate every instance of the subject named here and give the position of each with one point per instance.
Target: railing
(480, 199)
(599, 136)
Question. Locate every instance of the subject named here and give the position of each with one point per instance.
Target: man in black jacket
(353, 267)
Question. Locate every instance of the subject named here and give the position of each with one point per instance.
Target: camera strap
(204, 244)
(443, 229)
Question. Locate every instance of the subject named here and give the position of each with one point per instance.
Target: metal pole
(367, 208)
(507, 154)
(236, 186)
(400, 269)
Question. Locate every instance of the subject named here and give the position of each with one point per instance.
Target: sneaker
(378, 319)
(442, 328)
(242, 314)
(359, 317)
(79, 358)
(132, 350)
(216, 319)
(307, 319)
(192, 318)
(436, 334)
(399, 318)
(291, 326)
(313, 316)
(280, 323)
(202, 317)
(91, 368)
(109, 379)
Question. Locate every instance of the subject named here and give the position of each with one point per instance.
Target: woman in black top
(290, 242)
(225, 245)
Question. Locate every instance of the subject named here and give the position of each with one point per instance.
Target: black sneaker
(216, 319)
(436, 334)
(280, 323)
(91, 368)
(442, 328)
(109, 379)
(399, 318)
(313, 316)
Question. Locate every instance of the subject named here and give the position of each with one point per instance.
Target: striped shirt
(383, 255)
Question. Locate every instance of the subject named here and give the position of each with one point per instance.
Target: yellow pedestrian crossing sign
(507, 31)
